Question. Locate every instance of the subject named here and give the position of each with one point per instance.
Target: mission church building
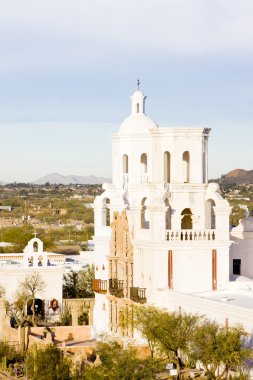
(161, 231)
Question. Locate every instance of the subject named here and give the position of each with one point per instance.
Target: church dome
(137, 124)
(138, 121)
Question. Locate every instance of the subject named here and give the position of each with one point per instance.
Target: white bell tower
(162, 208)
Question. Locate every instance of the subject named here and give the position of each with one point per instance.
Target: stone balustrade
(190, 235)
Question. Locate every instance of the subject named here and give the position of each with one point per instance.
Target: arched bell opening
(166, 167)
(35, 246)
(186, 219)
(167, 215)
(144, 214)
(30, 261)
(144, 163)
(40, 261)
(210, 215)
(106, 215)
(186, 167)
(125, 164)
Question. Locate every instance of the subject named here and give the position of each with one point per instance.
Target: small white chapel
(15, 267)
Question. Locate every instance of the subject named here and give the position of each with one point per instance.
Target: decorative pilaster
(157, 211)
(222, 221)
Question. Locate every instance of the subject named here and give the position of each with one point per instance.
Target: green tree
(66, 316)
(48, 363)
(171, 332)
(145, 319)
(121, 363)
(70, 284)
(79, 284)
(18, 315)
(30, 287)
(8, 351)
(85, 282)
(219, 347)
(19, 237)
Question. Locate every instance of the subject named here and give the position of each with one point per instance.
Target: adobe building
(14, 268)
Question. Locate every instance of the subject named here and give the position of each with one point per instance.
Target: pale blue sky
(68, 67)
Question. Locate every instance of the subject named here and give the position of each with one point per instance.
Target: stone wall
(65, 333)
(10, 334)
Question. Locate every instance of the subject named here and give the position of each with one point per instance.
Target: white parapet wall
(232, 307)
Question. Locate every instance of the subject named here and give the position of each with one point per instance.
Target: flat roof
(241, 298)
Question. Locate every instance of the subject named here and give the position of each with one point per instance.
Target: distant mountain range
(237, 176)
(57, 179)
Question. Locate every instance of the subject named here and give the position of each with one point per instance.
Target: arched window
(144, 216)
(35, 246)
(166, 167)
(210, 215)
(125, 164)
(144, 163)
(186, 167)
(186, 220)
(138, 107)
(167, 215)
(30, 261)
(106, 220)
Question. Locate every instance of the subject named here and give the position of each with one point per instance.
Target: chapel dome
(137, 122)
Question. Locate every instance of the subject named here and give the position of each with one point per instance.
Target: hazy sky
(68, 67)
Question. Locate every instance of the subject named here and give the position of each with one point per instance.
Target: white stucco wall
(242, 247)
(11, 277)
(101, 314)
(214, 308)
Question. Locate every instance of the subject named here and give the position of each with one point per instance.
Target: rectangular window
(237, 266)
(214, 269)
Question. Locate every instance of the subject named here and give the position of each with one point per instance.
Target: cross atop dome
(137, 122)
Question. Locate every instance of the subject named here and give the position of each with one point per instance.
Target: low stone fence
(64, 333)
(40, 343)
(79, 353)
